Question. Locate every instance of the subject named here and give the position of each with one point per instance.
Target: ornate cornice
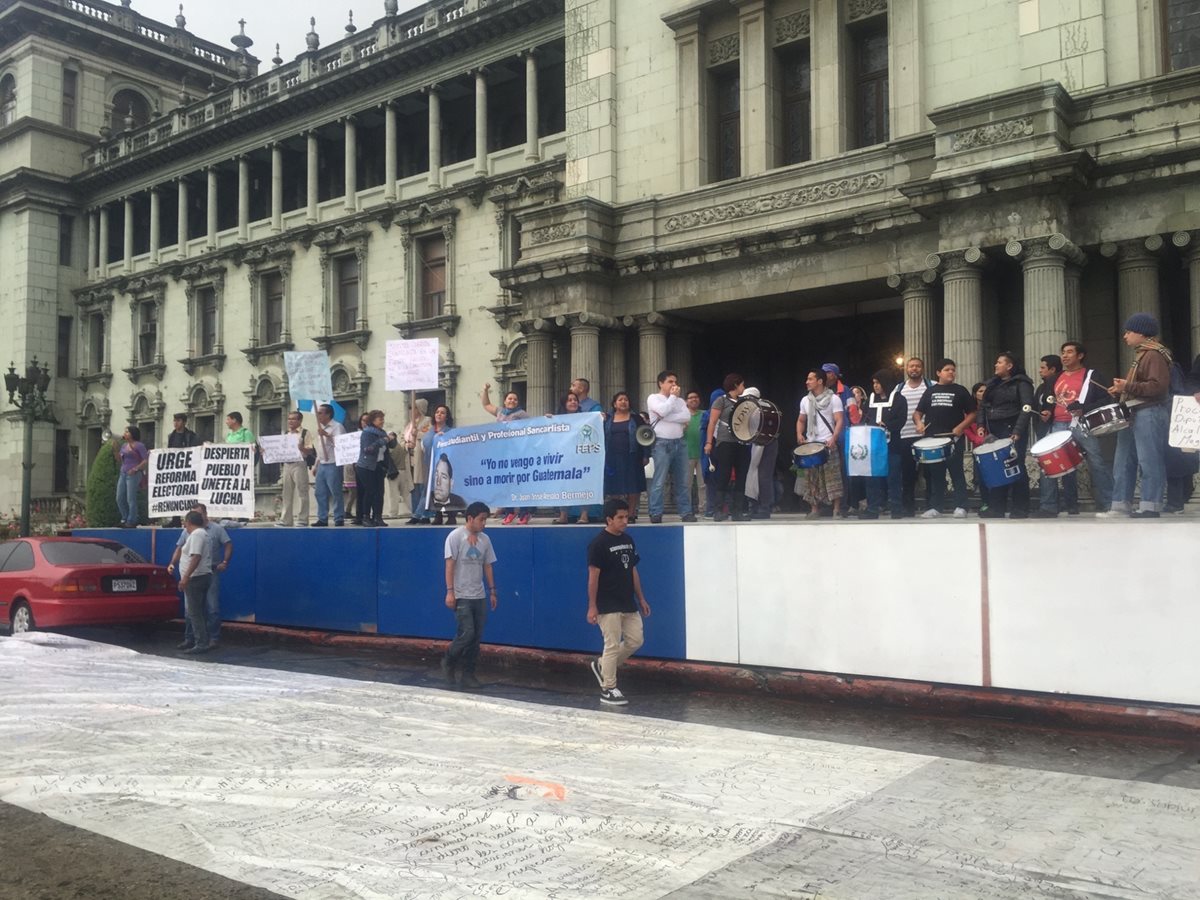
(254, 354)
(548, 233)
(791, 199)
(992, 133)
(360, 338)
(545, 187)
(448, 324)
(862, 9)
(724, 49)
(795, 27)
(155, 370)
(192, 363)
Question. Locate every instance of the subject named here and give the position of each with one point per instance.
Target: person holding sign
(328, 473)
(469, 560)
(445, 504)
(510, 411)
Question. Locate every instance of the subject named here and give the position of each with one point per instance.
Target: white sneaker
(613, 697)
(960, 513)
(931, 514)
(1110, 514)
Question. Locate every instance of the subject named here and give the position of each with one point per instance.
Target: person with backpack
(1146, 391)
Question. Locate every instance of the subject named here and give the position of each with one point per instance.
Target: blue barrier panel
(315, 577)
(560, 586)
(412, 585)
(240, 584)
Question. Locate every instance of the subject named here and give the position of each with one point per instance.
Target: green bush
(102, 490)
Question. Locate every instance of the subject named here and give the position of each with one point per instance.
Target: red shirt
(1066, 392)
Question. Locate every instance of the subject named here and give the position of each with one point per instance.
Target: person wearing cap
(760, 474)
(1146, 391)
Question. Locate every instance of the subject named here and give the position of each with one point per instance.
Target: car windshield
(88, 553)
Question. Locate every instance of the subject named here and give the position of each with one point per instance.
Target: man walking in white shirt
(669, 416)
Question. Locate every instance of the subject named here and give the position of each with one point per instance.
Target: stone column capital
(1046, 250)
(584, 321)
(908, 282)
(537, 327)
(1136, 250)
(969, 261)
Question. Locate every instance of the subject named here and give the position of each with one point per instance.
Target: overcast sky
(268, 21)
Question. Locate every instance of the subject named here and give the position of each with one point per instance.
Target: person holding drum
(822, 420)
(1078, 391)
(1007, 407)
(1145, 390)
(945, 411)
(887, 408)
(730, 455)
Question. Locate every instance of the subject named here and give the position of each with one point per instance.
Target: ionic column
(585, 351)
(181, 220)
(481, 122)
(155, 223)
(531, 108)
(435, 137)
(539, 365)
(276, 187)
(1191, 253)
(1137, 277)
(920, 315)
(211, 243)
(389, 150)
(652, 356)
(103, 255)
(962, 310)
(93, 259)
(243, 199)
(351, 167)
(612, 366)
(127, 256)
(1043, 264)
(311, 187)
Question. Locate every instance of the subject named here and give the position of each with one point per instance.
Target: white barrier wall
(1085, 607)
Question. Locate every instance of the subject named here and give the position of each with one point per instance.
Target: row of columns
(98, 223)
(1053, 312)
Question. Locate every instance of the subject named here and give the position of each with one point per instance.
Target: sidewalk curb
(852, 690)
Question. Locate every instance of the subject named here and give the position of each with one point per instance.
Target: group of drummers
(862, 452)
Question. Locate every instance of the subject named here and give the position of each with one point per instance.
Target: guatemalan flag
(866, 451)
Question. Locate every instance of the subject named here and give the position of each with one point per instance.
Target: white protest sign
(346, 448)
(308, 374)
(280, 448)
(227, 479)
(174, 482)
(412, 365)
(1185, 423)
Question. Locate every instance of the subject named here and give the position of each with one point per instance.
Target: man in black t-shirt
(615, 599)
(945, 410)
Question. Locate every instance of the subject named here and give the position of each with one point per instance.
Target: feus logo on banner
(527, 462)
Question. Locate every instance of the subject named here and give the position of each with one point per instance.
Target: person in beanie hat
(1146, 391)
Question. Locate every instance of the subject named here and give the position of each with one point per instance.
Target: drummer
(1076, 391)
(946, 410)
(887, 408)
(822, 419)
(1007, 406)
(732, 457)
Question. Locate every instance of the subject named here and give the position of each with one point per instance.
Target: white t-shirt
(815, 428)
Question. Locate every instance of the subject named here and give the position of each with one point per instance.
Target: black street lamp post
(28, 394)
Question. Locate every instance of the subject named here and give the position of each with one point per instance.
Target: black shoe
(198, 649)
(438, 520)
(1043, 514)
(990, 514)
(447, 670)
(1018, 515)
(690, 517)
(413, 521)
(184, 645)
(379, 523)
(897, 515)
(339, 523)
(656, 520)
(470, 682)
(868, 515)
(320, 523)
(1145, 514)
(720, 515)
(1073, 511)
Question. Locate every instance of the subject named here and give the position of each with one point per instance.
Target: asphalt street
(45, 858)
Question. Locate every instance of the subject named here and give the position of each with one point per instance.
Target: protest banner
(227, 479)
(536, 462)
(1185, 423)
(308, 373)
(412, 365)
(346, 448)
(174, 482)
(280, 448)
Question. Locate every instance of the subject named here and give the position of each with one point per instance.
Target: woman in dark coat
(1007, 407)
(624, 458)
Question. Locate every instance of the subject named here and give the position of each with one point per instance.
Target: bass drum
(755, 421)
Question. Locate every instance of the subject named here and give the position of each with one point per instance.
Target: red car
(50, 582)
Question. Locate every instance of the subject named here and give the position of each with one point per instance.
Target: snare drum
(998, 467)
(810, 455)
(932, 450)
(1105, 419)
(1057, 454)
(755, 421)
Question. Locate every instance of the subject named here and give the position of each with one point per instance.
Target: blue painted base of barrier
(392, 581)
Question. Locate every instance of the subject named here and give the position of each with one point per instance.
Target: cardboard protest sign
(309, 376)
(174, 482)
(1185, 423)
(280, 448)
(346, 448)
(227, 479)
(412, 365)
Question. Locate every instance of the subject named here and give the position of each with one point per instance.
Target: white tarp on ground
(321, 787)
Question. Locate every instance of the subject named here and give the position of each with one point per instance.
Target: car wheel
(22, 618)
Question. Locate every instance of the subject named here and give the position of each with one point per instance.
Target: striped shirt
(913, 395)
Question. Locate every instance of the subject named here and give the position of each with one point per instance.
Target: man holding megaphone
(669, 417)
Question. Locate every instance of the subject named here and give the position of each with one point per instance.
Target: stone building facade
(559, 188)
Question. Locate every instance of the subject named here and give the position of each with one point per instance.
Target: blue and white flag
(536, 462)
(866, 451)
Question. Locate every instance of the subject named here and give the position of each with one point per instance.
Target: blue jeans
(1102, 479)
(670, 454)
(936, 475)
(1142, 445)
(212, 612)
(889, 489)
(127, 496)
(329, 484)
(470, 615)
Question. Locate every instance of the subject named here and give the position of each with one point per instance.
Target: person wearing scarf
(1145, 390)
(1007, 407)
(822, 418)
(887, 408)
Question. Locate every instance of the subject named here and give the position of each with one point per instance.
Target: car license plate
(124, 584)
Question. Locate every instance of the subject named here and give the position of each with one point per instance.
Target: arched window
(8, 100)
(129, 104)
